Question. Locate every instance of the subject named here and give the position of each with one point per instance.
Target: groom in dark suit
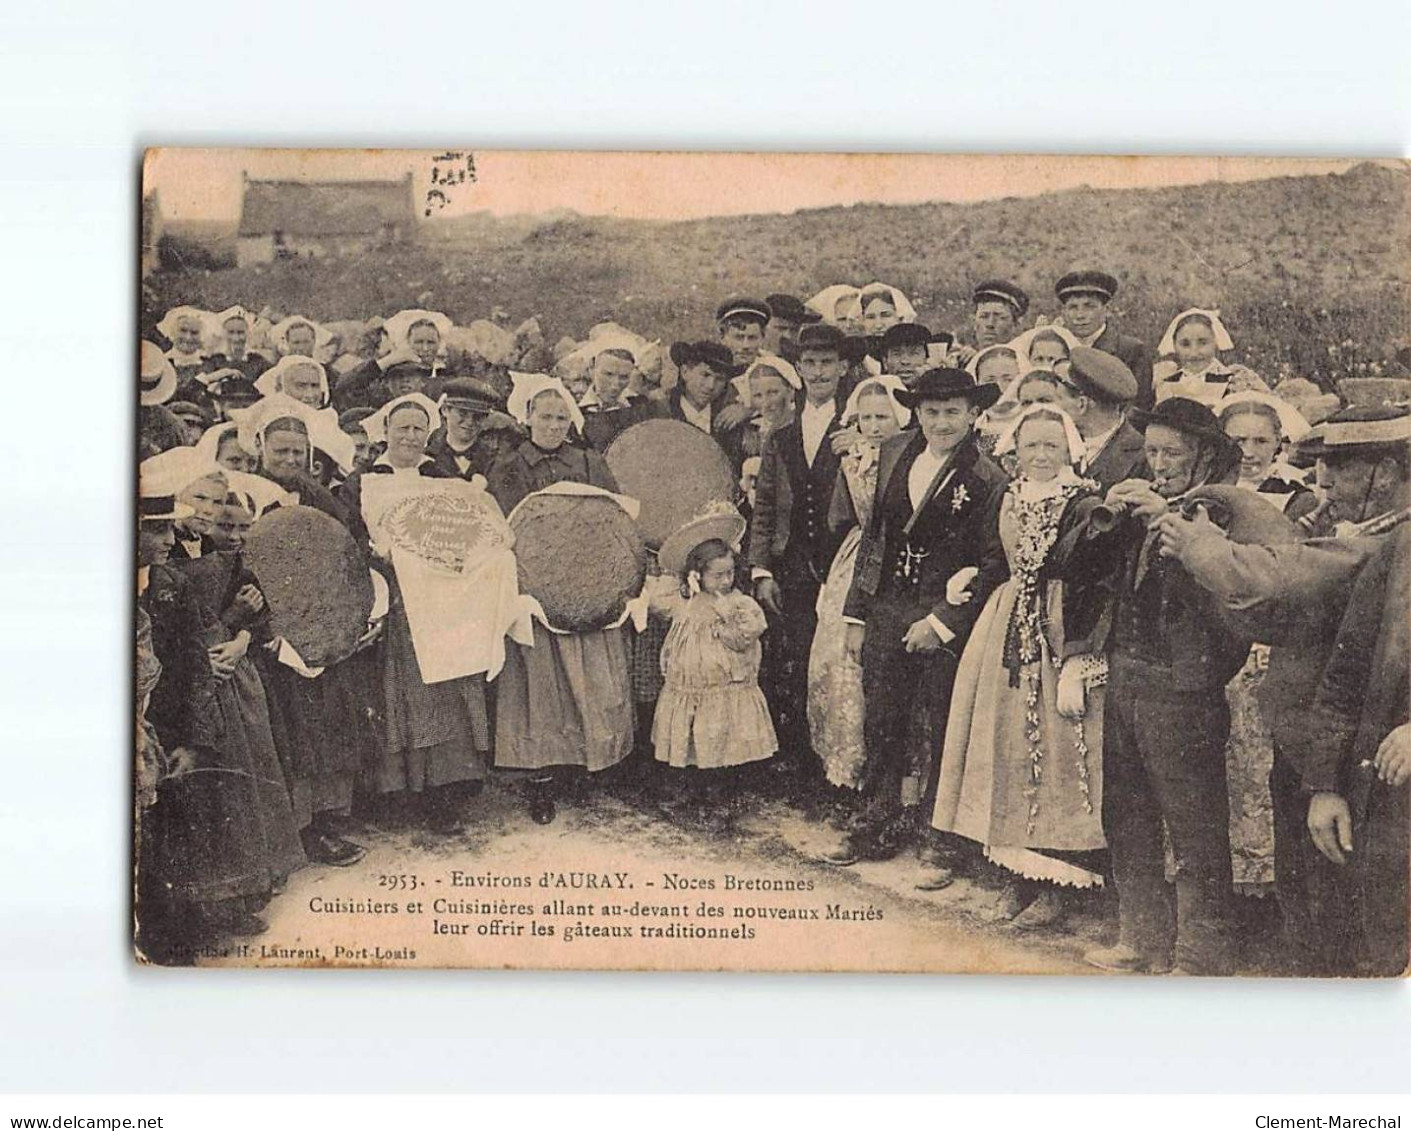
(938, 496)
(791, 545)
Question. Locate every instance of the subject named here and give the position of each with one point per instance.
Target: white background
(84, 85)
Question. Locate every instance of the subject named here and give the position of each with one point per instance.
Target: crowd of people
(1052, 609)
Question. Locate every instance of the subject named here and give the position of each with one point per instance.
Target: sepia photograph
(772, 562)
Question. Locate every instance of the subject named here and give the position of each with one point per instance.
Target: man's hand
(921, 637)
(853, 637)
(1330, 823)
(959, 355)
(766, 591)
(250, 599)
(1177, 532)
(1138, 496)
(732, 415)
(845, 440)
(1393, 758)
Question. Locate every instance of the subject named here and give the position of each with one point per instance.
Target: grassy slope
(1296, 263)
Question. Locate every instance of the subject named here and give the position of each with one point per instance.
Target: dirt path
(620, 884)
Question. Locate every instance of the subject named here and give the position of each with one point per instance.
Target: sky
(204, 184)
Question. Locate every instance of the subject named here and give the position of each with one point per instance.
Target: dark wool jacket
(1168, 634)
(789, 529)
(183, 705)
(957, 527)
(530, 468)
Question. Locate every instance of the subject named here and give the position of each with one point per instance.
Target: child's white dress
(711, 712)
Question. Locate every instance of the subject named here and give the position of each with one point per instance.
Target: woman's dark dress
(206, 839)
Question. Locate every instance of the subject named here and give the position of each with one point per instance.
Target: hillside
(1297, 263)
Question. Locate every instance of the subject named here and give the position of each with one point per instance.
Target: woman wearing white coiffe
(868, 311)
(1021, 770)
(318, 427)
(302, 379)
(883, 306)
(772, 388)
(838, 305)
(299, 335)
(1261, 424)
(185, 327)
(445, 628)
(231, 337)
(1191, 366)
(1265, 427)
(566, 700)
(835, 703)
(423, 334)
(293, 375)
(1043, 347)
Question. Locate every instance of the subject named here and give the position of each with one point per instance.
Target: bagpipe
(1243, 515)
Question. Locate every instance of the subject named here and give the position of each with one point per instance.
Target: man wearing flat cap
(741, 322)
(1084, 297)
(787, 315)
(1170, 654)
(1095, 389)
(461, 447)
(935, 515)
(999, 309)
(1293, 596)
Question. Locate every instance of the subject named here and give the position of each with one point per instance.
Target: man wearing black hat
(461, 447)
(1170, 655)
(1293, 596)
(788, 315)
(702, 391)
(999, 307)
(791, 546)
(904, 350)
(230, 389)
(1084, 296)
(741, 322)
(937, 495)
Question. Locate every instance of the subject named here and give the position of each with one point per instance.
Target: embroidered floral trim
(1037, 522)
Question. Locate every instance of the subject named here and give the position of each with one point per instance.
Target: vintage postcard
(773, 562)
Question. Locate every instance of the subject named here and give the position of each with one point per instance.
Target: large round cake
(581, 556)
(673, 469)
(315, 582)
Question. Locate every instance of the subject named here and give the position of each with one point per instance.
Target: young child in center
(711, 714)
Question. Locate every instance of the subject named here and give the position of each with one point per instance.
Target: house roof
(324, 208)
